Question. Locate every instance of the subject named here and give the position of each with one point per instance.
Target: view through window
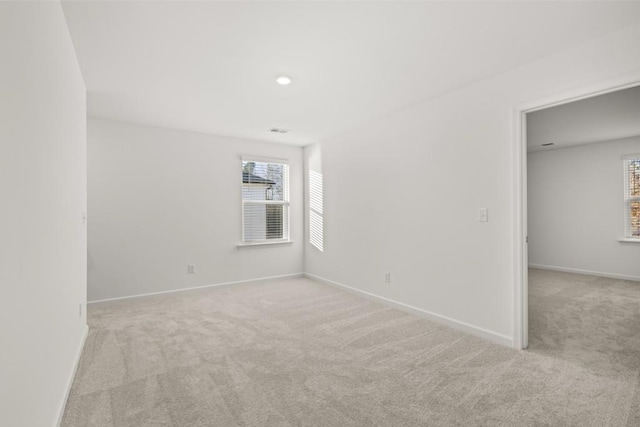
(265, 201)
(632, 196)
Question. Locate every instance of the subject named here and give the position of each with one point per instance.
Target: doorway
(521, 226)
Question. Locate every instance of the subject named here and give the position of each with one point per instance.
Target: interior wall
(576, 209)
(161, 199)
(402, 194)
(42, 232)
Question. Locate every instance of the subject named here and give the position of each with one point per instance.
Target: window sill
(249, 244)
(629, 240)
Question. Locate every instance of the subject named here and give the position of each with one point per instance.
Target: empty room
(583, 228)
(317, 213)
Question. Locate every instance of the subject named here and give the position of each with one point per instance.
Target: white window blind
(265, 201)
(632, 196)
(316, 221)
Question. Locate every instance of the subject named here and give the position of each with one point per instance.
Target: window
(632, 196)
(316, 226)
(265, 201)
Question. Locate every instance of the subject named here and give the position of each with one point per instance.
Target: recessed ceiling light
(283, 80)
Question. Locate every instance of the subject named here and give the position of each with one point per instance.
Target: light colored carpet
(592, 321)
(299, 353)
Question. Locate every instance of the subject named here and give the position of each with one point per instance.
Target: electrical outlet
(387, 277)
(191, 269)
(483, 215)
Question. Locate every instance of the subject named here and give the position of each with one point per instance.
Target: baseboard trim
(73, 374)
(259, 279)
(438, 318)
(443, 320)
(585, 272)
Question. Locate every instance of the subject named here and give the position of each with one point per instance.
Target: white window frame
(628, 235)
(286, 226)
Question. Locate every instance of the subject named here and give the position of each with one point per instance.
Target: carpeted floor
(591, 322)
(295, 352)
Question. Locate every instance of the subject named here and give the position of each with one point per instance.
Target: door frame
(520, 245)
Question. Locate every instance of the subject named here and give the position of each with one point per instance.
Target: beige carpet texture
(296, 352)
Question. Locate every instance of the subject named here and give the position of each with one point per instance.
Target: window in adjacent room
(265, 201)
(632, 196)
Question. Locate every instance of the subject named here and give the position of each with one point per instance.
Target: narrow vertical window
(265, 201)
(632, 196)
(316, 226)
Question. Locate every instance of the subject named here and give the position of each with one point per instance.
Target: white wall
(160, 199)
(402, 194)
(576, 209)
(42, 233)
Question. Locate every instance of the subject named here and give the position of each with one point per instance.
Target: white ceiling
(606, 117)
(211, 66)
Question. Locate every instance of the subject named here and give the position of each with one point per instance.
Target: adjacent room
(583, 228)
(258, 213)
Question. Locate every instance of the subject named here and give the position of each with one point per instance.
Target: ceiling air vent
(278, 130)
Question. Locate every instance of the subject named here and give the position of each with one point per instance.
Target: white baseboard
(443, 320)
(585, 272)
(260, 279)
(73, 374)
